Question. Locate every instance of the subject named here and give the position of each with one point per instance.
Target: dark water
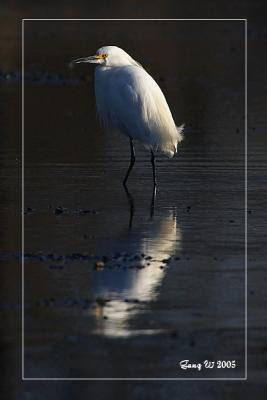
(172, 286)
(113, 286)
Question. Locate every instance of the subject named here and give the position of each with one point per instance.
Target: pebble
(102, 302)
(166, 260)
(140, 266)
(99, 265)
(58, 210)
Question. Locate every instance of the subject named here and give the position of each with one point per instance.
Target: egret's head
(108, 56)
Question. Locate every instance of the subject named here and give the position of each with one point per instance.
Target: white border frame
(22, 202)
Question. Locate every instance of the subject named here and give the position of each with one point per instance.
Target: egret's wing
(135, 105)
(118, 99)
(126, 107)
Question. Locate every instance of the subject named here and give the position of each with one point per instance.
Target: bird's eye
(101, 56)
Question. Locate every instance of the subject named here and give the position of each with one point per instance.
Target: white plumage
(130, 101)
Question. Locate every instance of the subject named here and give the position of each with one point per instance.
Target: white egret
(128, 100)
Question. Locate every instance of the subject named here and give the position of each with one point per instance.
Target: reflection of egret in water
(133, 272)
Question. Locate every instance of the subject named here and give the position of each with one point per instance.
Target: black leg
(131, 163)
(153, 168)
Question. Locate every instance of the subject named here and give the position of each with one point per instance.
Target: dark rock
(58, 210)
(166, 260)
(102, 302)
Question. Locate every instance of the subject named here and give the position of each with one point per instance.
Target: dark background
(71, 42)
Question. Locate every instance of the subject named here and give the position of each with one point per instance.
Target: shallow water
(110, 289)
(172, 282)
(117, 285)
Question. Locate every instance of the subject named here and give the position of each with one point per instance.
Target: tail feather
(180, 132)
(169, 148)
